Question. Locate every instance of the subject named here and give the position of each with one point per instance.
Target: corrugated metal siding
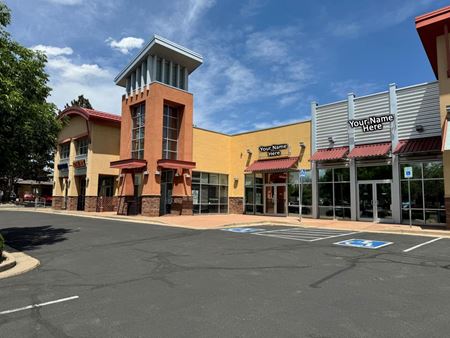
(373, 105)
(418, 105)
(331, 120)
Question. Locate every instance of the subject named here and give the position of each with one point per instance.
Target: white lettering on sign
(372, 123)
(273, 150)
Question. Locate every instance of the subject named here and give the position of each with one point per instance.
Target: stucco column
(353, 173)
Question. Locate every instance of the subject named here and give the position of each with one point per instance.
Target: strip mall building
(383, 157)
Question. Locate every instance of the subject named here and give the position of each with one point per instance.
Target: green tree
(81, 101)
(28, 123)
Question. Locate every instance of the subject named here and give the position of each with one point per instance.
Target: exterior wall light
(187, 175)
(330, 139)
(145, 173)
(419, 128)
(302, 145)
(157, 172)
(249, 152)
(236, 179)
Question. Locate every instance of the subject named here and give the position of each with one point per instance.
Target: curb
(8, 262)
(23, 263)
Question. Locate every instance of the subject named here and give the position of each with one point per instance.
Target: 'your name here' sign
(371, 123)
(273, 150)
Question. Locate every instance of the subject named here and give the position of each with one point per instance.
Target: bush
(2, 243)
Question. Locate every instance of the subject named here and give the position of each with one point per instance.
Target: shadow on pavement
(31, 238)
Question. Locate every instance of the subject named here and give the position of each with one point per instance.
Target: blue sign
(364, 243)
(243, 230)
(408, 172)
(303, 173)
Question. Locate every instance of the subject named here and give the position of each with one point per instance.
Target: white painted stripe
(347, 234)
(295, 234)
(38, 305)
(298, 238)
(307, 230)
(422, 244)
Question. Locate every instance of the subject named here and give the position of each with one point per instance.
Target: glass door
(366, 209)
(269, 199)
(281, 199)
(384, 202)
(166, 192)
(375, 201)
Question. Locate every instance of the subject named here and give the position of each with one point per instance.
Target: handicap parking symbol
(243, 230)
(364, 243)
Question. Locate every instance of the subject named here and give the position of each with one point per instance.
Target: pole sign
(274, 149)
(372, 123)
(408, 172)
(302, 173)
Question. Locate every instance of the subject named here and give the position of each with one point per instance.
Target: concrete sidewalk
(204, 222)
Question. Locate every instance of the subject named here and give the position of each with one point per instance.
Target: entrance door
(275, 199)
(375, 201)
(166, 191)
(81, 193)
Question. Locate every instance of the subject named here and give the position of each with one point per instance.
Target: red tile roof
(329, 154)
(278, 164)
(370, 150)
(419, 145)
(91, 114)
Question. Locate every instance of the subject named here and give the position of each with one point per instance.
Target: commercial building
(87, 143)
(378, 157)
(383, 157)
(169, 167)
(433, 29)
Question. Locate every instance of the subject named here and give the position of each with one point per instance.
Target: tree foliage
(28, 123)
(81, 101)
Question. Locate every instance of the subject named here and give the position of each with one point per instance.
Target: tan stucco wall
(103, 149)
(211, 151)
(444, 98)
(218, 153)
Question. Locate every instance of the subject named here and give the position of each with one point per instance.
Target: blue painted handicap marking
(364, 243)
(244, 230)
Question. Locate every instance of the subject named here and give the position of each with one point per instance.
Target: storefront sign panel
(274, 149)
(372, 123)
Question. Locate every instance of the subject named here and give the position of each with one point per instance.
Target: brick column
(447, 211)
(72, 202)
(57, 202)
(150, 205)
(235, 205)
(90, 203)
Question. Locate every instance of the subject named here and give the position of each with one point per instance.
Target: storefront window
(378, 172)
(82, 146)
(254, 202)
(64, 151)
(209, 192)
(334, 193)
(138, 131)
(170, 132)
(426, 189)
(294, 193)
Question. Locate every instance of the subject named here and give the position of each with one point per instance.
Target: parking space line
(306, 230)
(422, 244)
(38, 305)
(295, 238)
(346, 234)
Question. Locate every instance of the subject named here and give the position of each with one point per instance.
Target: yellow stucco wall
(444, 98)
(103, 149)
(215, 152)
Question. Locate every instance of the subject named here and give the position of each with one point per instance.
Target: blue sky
(264, 61)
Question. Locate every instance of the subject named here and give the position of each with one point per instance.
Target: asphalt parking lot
(104, 278)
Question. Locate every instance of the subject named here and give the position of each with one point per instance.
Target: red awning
(175, 164)
(370, 150)
(419, 145)
(329, 154)
(128, 164)
(279, 164)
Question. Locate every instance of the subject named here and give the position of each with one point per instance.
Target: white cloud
(70, 79)
(180, 20)
(125, 44)
(342, 88)
(51, 51)
(66, 2)
(252, 7)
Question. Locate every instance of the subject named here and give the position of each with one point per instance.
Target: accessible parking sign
(364, 243)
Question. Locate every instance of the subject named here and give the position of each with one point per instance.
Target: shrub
(2, 243)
